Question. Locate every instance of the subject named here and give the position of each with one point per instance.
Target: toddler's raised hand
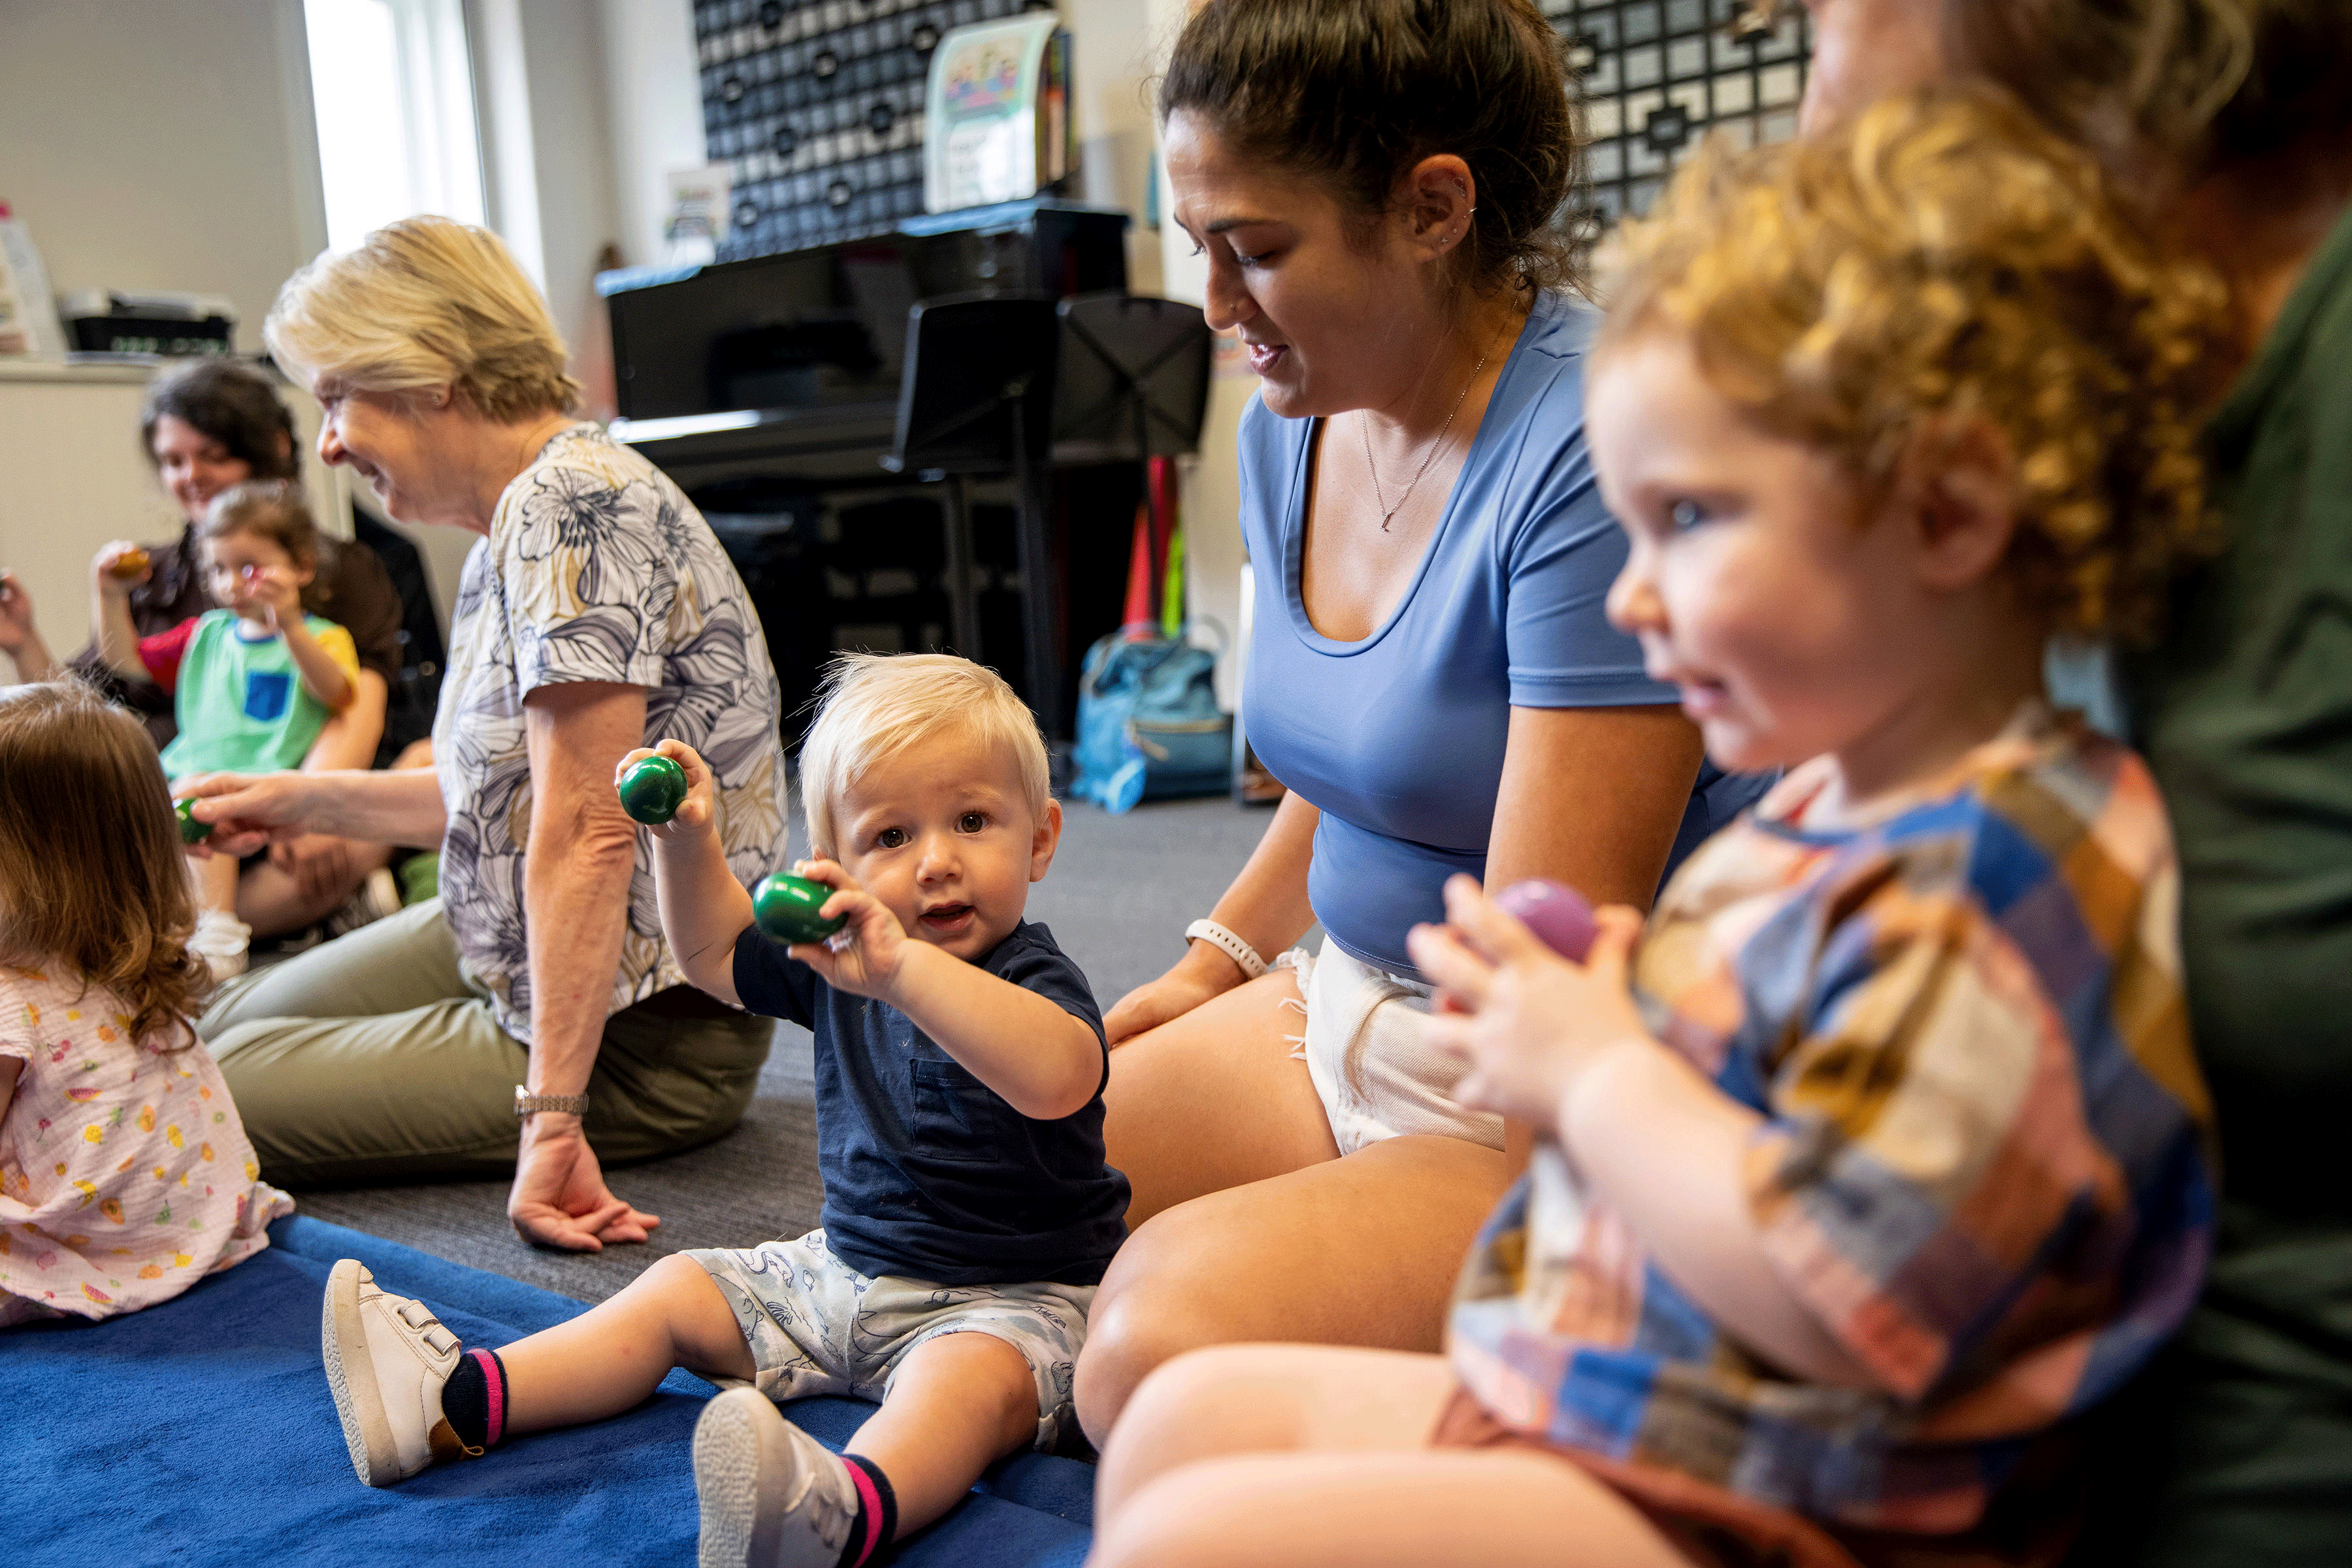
(278, 595)
(699, 809)
(1526, 1021)
(863, 957)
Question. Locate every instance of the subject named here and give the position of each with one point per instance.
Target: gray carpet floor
(1117, 899)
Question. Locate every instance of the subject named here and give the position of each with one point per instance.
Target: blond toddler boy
(968, 1212)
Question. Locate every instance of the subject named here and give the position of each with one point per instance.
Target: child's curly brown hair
(1940, 262)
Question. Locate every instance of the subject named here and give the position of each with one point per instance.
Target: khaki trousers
(371, 1058)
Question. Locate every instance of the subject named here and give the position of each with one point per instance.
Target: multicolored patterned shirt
(1985, 1162)
(125, 1175)
(596, 568)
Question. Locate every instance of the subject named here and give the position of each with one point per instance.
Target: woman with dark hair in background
(207, 425)
(1374, 182)
(2231, 122)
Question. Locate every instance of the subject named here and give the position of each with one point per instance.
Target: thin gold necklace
(1364, 429)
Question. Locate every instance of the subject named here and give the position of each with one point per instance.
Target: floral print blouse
(596, 568)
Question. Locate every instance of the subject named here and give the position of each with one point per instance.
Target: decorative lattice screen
(817, 106)
(1658, 74)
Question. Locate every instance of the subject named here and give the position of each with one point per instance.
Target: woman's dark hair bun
(1355, 92)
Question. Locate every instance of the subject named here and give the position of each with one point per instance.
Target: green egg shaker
(785, 907)
(652, 789)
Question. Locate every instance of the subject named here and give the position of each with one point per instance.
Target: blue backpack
(1149, 724)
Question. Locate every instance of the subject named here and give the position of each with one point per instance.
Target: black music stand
(1134, 380)
(977, 397)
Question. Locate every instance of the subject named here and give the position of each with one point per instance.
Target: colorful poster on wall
(998, 108)
(697, 217)
(28, 315)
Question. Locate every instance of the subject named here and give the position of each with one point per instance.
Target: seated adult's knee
(1147, 1312)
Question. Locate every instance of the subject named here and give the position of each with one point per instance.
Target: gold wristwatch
(569, 1104)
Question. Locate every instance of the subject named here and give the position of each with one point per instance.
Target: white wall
(153, 144)
(1212, 534)
(654, 94)
(573, 143)
(146, 144)
(539, 78)
(1111, 58)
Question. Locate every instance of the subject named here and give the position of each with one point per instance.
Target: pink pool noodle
(1555, 911)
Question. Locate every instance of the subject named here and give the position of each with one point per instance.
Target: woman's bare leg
(1359, 1251)
(1215, 1100)
(1312, 1454)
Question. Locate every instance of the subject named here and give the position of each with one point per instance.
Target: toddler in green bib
(252, 685)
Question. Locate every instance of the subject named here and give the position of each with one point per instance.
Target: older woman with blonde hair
(532, 1016)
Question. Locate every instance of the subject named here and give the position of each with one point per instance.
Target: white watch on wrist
(1226, 943)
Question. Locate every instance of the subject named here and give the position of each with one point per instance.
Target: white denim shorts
(1364, 1049)
(815, 1325)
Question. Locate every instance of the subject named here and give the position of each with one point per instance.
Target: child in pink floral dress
(125, 1175)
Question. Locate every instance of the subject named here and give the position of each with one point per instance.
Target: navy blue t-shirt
(928, 1173)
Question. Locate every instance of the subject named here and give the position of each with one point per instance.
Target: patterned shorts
(815, 1325)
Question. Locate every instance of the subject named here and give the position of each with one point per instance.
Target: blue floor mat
(201, 1431)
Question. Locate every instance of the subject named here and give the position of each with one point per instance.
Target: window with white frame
(392, 84)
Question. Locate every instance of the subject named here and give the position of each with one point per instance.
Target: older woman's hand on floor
(560, 1198)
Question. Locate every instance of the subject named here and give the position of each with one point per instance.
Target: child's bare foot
(773, 1496)
(388, 1359)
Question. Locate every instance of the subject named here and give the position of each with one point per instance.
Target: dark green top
(2245, 714)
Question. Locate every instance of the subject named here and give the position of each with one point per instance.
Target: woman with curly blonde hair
(1878, 1151)
(530, 1017)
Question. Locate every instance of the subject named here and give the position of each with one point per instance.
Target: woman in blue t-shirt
(1431, 672)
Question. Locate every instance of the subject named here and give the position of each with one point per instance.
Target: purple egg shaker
(1555, 911)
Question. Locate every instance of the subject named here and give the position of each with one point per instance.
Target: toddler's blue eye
(1685, 514)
